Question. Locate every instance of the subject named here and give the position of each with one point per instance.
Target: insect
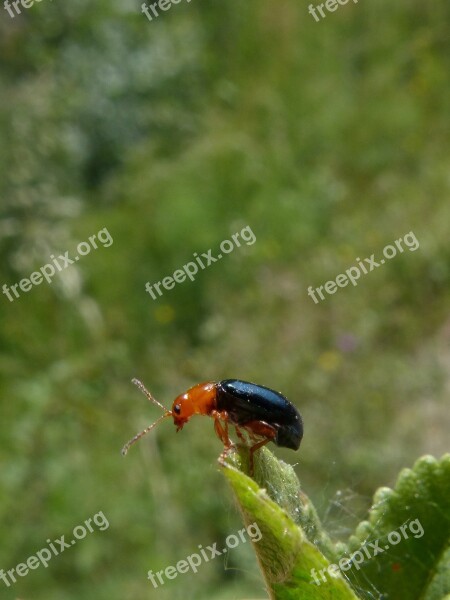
(264, 414)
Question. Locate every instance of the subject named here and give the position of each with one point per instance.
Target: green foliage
(419, 566)
(286, 553)
(330, 140)
(293, 542)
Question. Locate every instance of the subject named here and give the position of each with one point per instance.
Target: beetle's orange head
(198, 400)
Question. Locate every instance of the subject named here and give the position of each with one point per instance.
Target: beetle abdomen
(245, 402)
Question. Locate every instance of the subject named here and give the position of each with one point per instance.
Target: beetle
(264, 414)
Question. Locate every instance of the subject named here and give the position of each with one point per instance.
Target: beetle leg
(253, 450)
(225, 452)
(259, 428)
(222, 431)
(240, 434)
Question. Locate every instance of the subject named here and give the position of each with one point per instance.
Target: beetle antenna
(142, 433)
(145, 391)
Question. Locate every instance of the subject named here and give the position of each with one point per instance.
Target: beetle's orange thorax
(202, 397)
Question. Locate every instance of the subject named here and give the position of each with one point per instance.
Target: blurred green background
(330, 140)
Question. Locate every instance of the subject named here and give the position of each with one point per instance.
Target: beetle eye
(177, 409)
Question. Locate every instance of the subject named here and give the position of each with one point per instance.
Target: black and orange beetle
(266, 415)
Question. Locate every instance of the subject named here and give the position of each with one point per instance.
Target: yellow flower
(164, 314)
(330, 361)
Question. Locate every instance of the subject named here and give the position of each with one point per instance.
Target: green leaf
(415, 561)
(289, 526)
